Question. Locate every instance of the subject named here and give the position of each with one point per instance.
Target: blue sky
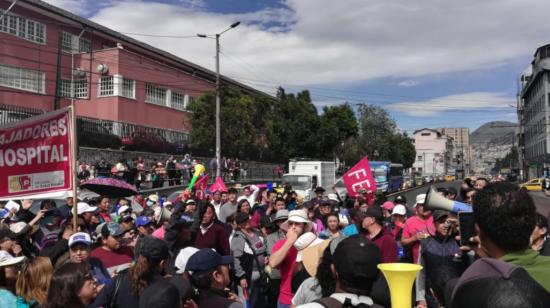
(430, 63)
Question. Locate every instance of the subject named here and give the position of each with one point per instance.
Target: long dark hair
(65, 285)
(203, 211)
(324, 274)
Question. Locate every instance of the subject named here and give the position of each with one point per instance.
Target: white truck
(305, 176)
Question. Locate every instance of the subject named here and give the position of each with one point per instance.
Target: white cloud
(407, 83)
(460, 102)
(328, 42)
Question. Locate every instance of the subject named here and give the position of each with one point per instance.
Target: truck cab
(305, 176)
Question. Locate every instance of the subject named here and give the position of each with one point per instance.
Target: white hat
(12, 205)
(183, 257)
(399, 210)
(420, 199)
(241, 198)
(154, 198)
(83, 207)
(297, 216)
(80, 237)
(305, 240)
(6, 259)
(122, 209)
(333, 197)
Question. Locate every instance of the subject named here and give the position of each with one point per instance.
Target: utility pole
(218, 100)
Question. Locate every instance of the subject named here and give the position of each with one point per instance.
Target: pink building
(124, 89)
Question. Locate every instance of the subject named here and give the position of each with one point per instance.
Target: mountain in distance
(496, 132)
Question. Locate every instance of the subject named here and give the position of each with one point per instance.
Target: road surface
(541, 202)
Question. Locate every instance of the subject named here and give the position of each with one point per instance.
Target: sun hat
(399, 210)
(83, 207)
(297, 216)
(80, 237)
(183, 257)
(420, 199)
(123, 209)
(333, 197)
(308, 239)
(311, 256)
(281, 215)
(388, 205)
(6, 259)
(206, 260)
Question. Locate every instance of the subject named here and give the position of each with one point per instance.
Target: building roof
(188, 66)
(429, 129)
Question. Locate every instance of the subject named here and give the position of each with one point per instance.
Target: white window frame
(106, 86)
(22, 79)
(178, 100)
(156, 95)
(80, 88)
(128, 88)
(23, 27)
(73, 44)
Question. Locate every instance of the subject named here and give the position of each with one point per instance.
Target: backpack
(329, 302)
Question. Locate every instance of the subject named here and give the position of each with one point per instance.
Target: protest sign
(35, 157)
(360, 176)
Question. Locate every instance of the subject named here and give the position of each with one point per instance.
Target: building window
(72, 43)
(419, 158)
(128, 88)
(178, 100)
(22, 79)
(80, 88)
(425, 134)
(22, 27)
(65, 88)
(106, 86)
(155, 95)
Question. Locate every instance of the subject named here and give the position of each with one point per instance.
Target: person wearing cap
(249, 250)
(319, 192)
(88, 213)
(355, 271)
(9, 266)
(145, 227)
(127, 222)
(274, 273)
(111, 252)
(372, 227)
(505, 219)
(230, 206)
(180, 279)
(190, 207)
(210, 275)
(441, 260)
(80, 245)
(123, 210)
(398, 219)
(284, 253)
(387, 208)
(211, 233)
(400, 199)
(416, 228)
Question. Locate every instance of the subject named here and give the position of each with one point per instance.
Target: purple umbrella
(109, 187)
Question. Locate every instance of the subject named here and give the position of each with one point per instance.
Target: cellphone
(467, 227)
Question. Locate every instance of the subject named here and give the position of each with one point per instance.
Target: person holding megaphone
(417, 228)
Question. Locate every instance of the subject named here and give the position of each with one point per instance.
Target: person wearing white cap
(284, 253)
(181, 279)
(79, 252)
(417, 228)
(399, 217)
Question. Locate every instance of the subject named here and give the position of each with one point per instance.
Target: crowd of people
(156, 173)
(260, 248)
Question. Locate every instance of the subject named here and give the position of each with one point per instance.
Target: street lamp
(218, 133)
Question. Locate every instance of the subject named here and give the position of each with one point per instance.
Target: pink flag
(201, 183)
(218, 185)
(360, 176)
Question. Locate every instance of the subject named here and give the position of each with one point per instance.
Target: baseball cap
(142, 221)
(399, 209)
(206, 260)
(80, 237)
(400, 199)
(437, 214)
(126, 218)
(241, 217)
(388, 205)
(488, 282)
(356, 260)
(6, 259)
(190, 201)
(183, 257)
(83, 207)
(154, 249)
(123, 209)
(112, 229)
(420, 199)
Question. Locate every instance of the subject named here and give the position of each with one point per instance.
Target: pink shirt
(287, 269)
(415, 225)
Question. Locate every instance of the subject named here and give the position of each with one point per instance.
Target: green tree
(337, 124)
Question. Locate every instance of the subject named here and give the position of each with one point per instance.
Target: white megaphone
(435, 201)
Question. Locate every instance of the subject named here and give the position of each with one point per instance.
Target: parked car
(428, 179)
(419, 180)
(408, 182)
(450, 178)
(532, 185)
